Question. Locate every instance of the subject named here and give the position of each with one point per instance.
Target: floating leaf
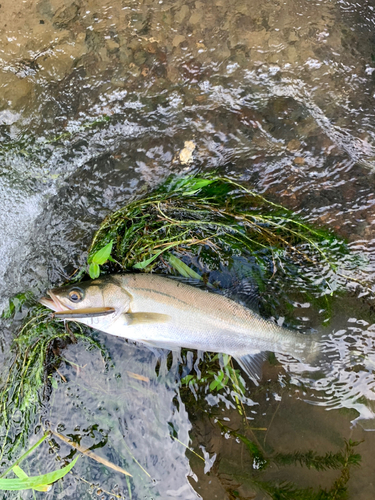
(136, 376)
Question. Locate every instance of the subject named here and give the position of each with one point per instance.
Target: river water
(97, 100)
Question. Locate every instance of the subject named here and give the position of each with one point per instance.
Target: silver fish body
(166, 313)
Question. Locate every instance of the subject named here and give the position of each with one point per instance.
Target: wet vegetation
(217, 234)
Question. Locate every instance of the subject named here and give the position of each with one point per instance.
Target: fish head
(93, 295)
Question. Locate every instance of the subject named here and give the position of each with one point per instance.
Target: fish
(166, 313)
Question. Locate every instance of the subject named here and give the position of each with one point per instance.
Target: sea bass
(166, 313)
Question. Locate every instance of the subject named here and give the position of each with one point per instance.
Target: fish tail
(314, 350)
(310, 350)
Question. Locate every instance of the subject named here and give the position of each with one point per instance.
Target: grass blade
(36, 481)
(22, 475)
(182, 268)
(17, 462)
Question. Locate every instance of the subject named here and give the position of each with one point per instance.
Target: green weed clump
(343, 461)
(214, 212)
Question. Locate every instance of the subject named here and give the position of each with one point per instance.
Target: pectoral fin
(141, 318)
(252, 364)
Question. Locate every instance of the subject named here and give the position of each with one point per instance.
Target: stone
(112, 46)
(186, 154)
(182, 13)
(298, 160)
(177, 40)
(65, 15)
(293, 145)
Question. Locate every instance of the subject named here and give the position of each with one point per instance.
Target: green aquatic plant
(214, 212)
(343, 460)
(216, 373)
(216, 378)
(27, 145)
(312, 460)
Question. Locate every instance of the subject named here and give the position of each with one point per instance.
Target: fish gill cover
(221, 235)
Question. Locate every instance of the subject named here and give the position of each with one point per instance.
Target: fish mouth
(53, 303)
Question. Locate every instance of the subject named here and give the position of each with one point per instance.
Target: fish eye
(75, 295)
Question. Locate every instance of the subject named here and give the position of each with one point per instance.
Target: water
(97, 100)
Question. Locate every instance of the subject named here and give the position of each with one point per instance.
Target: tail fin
(307, 351)
(312, 349)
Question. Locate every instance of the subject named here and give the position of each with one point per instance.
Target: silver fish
(166, 313)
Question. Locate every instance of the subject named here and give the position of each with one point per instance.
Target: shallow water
(96, 102)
